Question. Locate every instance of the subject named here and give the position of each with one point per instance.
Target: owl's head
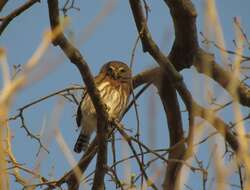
(117, 70)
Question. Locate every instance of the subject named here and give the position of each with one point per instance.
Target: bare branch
(7, 19)
(237, 23)
(206, 114)
(170, 103)
(206, 62)
(69, 4)
(2, 4)
(185, 44)
(207, 41)
(21, 116)
(186, 52)
(149, 45)
(127, 138)
(47, 97)
(102, 116)
(193, 107)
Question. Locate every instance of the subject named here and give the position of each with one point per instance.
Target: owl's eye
(122, 70)
(110, 70)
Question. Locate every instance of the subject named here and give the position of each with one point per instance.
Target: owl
(114, 85)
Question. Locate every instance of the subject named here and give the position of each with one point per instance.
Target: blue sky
(112, 39)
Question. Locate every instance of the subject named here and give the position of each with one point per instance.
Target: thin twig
(68, 6)
(237, 23)
(222, 49)
(33, 103)
(7, 19)
(127, 138)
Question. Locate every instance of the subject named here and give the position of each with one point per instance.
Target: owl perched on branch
(114, 84)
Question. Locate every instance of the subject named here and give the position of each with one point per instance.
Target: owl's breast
(114, 97)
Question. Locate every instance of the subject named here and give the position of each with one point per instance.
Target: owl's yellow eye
(110, 70)
(122, 70)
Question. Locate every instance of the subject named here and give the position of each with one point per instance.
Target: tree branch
(170, 103)
(185, 44)
(149, 45)
(206, 114)
(191, 105)
(206, 64)
(102, 116)
(6, 20)
(119, 127)
(186, 52)
(2, 4)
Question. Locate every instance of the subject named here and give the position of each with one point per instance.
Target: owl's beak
(115, 74)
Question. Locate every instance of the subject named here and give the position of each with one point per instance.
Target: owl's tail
(82, 143)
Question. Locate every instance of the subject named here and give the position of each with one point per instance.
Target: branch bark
(206, 64)
(186, 51)
(185, 45)
(148, 43)
(170, 103)
(102, 116)
(2, 4)
(197, 110)
(6, 20)
(192, 105)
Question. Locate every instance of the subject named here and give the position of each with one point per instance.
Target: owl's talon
(112, 120)
(107, 108)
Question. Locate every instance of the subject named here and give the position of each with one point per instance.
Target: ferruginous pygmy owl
(114, 84)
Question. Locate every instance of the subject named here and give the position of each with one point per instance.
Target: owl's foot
(113, 120)
(107, 108)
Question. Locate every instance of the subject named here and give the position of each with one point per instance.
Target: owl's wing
(79, 115)
(79, 111)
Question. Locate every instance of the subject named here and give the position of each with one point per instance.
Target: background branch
(7, 19)
(194, 107)
(185, 51)
(2, 4)
(207, 65)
